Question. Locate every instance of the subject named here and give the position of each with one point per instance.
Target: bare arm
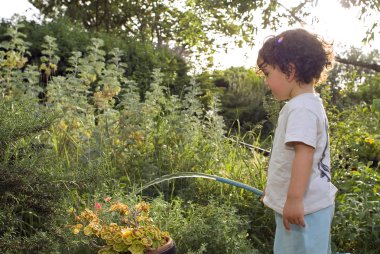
(293, 212)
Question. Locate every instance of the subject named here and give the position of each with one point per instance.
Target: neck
(300, 89)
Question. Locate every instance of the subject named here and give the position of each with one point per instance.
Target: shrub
(29, 199)
(211, 228)
(356, 225)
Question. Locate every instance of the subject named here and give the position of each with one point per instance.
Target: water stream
(199, 175)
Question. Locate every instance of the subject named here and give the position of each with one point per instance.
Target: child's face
(277, 81)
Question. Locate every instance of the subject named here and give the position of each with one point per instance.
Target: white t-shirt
(302, 119)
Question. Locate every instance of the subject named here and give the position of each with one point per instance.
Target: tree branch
(372, 66)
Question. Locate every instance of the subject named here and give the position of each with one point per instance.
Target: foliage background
(88, 114)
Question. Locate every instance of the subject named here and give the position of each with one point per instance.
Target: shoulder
(306, 103)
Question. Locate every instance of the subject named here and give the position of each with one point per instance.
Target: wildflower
(142, 207)
(76, 231)
(134, 231)
(53, 66)
(77, 228)
(75, 124)
(98, 206)
(140, 218)
(87, 133)
(62, 125)
(127, 236)
(120, 208)
(369, 140)
(71, 210)
(43, 67)
(88, 215)
(126, 232)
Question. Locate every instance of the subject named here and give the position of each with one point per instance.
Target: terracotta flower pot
(167, 248)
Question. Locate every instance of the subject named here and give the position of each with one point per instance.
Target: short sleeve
(301, 126)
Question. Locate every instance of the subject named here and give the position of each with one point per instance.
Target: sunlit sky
(335, 24)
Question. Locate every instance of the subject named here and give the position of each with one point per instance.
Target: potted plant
(116, 227)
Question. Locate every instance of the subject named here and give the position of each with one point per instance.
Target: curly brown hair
(311, 55)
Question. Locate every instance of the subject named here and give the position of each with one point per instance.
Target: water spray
(200, 175)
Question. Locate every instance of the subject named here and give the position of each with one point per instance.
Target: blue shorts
(314, 238)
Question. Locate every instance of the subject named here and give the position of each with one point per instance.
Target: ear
(292, 71)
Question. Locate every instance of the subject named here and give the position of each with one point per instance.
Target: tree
(191, 25)
(373, 10)
(194, 26)
(350, 82)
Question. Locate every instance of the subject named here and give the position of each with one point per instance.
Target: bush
(242, 93)
(140, 58)
(29, 199)
(211, 228)
(356, 225)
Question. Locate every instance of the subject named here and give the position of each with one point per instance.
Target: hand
(293, 213)
(262, 197)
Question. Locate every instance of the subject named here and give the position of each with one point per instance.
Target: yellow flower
(122, 208)
(75, 124)
(142, 206)
(77, 228)
(71, 210)
(140, 218)
(43, 67)
(134, 233)
(93, 77)
(53, 66)
(62, 125)
(88, 215)
(87, 230)
(87, 133)
(126, 232)
(369, 140)
(76, 231)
